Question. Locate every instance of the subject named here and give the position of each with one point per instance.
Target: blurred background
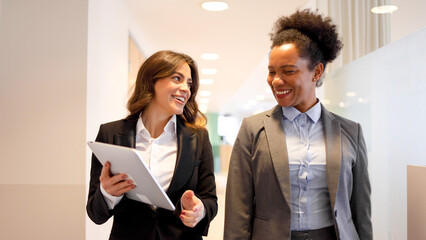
(68, 66)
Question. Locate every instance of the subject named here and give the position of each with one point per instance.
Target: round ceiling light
(384, 9)
(214, 6)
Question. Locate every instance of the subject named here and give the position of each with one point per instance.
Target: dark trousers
(327, 233)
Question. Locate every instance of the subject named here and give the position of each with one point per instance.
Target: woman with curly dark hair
(299, 171)
(162, 125)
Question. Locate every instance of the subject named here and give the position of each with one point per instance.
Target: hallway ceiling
(239, 35)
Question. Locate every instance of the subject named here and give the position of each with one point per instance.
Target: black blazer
(136, 220)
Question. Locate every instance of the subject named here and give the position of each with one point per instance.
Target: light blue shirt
(311, 207)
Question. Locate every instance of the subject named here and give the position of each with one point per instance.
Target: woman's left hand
(192, 209)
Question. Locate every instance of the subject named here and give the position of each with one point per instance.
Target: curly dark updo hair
(315, 37)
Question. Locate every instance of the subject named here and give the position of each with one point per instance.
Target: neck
(154, 121)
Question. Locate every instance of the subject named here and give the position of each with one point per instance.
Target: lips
(180, 99)
(282, 93)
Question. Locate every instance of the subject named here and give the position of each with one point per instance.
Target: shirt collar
(314, 113)
(170, 127)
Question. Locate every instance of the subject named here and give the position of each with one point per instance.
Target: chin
(178, 112)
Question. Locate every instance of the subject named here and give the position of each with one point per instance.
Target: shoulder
(345, 122)
(188, 130)
(348, 126)
(257, 121)
(123, 125)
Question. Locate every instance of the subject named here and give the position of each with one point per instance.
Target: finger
(189, 221)
(121, 187)
(188, 195)
(105, 172)
(118, 178)
(187, 213)
(109, 182)
(125, 189)
(187, 199)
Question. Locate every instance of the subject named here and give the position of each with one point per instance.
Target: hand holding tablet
(128, 161)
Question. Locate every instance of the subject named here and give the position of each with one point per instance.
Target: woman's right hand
(115, 185)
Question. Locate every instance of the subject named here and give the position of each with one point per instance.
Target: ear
(318, 71)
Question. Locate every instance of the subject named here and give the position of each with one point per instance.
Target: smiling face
(290, 79)
(171, 93)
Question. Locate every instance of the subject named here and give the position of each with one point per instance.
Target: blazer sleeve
(206, 185)
(360, 200)
(96, 207)
(239, 189)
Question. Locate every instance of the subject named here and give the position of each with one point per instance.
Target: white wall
(43, 52)
(107, 76)
(390, 91)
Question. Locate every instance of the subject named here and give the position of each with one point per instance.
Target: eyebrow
(284, 66)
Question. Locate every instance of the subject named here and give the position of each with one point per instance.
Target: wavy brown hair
(160, 65)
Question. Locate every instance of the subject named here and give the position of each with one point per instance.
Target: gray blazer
(258, 194)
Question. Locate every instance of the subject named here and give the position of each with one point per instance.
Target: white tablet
(129, 161)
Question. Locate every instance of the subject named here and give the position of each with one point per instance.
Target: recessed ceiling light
(384, 9)
(351, 94)
(209, 71)
(214, 6)
(206, 81)
(209, 56)
(205, 93)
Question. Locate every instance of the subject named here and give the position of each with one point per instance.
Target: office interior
(68, 66)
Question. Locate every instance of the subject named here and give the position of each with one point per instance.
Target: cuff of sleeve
(111, 200)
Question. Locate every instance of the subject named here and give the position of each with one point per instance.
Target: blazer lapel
(186, 149)
(278, 149)
(127, 136)
(333, 152)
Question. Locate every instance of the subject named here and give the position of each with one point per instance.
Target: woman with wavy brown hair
(162, 125)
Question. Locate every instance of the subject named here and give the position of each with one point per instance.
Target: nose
(184, 87)
(277, 80)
